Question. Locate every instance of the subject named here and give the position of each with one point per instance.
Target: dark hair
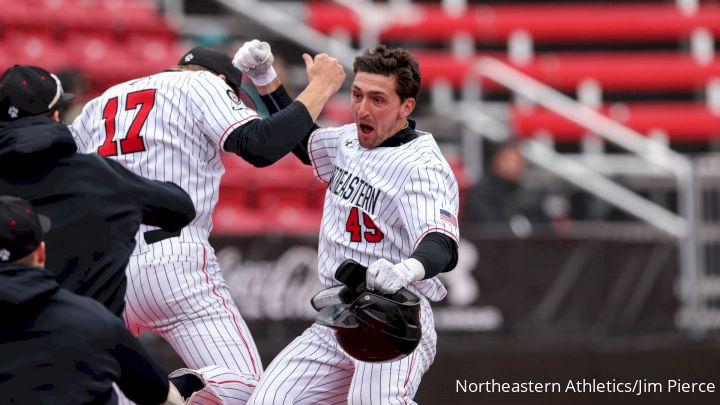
(395, 62)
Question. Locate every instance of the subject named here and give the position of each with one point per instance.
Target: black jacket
(95, 205)
(57, 347)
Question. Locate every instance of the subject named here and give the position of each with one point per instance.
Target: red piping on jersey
(450, 234)
(407, 379)
(232, 125)
(214, 291)
(229, 382)
(317, 173)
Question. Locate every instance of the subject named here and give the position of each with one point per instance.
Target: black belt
(159, 234)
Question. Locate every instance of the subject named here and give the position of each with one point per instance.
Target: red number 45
(132, 142)
(372, 234)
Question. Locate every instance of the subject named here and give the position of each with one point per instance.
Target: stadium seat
(613, 71)
(683, 122)
(558, 23)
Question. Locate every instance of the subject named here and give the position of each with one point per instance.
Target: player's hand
(325, 71)
(388, 278)
(255, 59)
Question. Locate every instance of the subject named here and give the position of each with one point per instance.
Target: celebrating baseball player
(173, 126)
(391, 204)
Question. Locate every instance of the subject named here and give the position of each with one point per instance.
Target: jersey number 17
(132, 141)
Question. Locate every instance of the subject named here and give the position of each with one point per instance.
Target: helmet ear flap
(352, 274)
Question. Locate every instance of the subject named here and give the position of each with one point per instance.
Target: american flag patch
(448, 217)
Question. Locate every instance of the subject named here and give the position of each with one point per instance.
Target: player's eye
(356, 96)
(378, 100)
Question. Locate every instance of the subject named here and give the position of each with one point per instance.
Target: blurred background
(584, 136)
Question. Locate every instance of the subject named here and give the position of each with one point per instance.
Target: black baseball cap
(21, 228)
(217, 61)
(29, 90)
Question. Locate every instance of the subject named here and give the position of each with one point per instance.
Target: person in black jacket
(57, 347)
(96, 205)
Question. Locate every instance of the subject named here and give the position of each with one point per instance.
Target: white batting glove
(388, 278)
(255, 59)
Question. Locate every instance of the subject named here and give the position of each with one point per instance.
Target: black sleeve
(164, 204)
(142, 379)
(276, 101)
(264, 142)
(437, 252)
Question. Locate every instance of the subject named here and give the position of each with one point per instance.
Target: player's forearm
(275, 101)
(314, 97)
(269, 88)
(168, 206)
(263, 142)
(164, 204)
(437, 252)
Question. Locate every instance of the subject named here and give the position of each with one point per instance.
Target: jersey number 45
(132, 141)
(372, 233)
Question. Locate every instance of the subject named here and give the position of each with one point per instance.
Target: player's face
(378, 111)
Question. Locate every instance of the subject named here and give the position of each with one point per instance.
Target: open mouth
(366, 129)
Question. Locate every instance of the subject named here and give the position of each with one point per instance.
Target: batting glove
(255, 59)
(388, 278)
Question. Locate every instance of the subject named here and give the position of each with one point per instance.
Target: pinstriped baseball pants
(176, 290)
(314, 369)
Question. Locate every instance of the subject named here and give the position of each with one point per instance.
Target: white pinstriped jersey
(170, 127)
(381, 202)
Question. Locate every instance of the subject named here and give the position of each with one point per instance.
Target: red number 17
(132, 142)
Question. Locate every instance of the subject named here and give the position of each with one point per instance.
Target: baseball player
(173, 126)
(391, 204)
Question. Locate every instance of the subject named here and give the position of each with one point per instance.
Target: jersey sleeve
(217, 108)
(322, 149)
(163, 204)
(84, 128)
(429, 203)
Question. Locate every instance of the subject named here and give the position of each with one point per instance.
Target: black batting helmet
(370, 326)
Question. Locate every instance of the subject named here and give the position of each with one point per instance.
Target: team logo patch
(446, 216)
(13, 112)
(233, 97)
(189, 57)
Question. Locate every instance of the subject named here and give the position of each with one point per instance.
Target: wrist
(417, 270)
(321, 88)
(265, 78)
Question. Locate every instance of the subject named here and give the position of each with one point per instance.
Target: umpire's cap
(370, 326)
(29, 90)
(217, 61)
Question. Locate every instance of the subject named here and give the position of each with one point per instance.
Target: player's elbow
(184, 216)
(258, 160)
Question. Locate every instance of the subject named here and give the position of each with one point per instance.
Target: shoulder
(329, 133)
(423, 154)
(336, 131)
(204, 78)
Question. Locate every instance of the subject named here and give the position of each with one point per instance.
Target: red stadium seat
(649, 71)
(683, 122)
(567, 23)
